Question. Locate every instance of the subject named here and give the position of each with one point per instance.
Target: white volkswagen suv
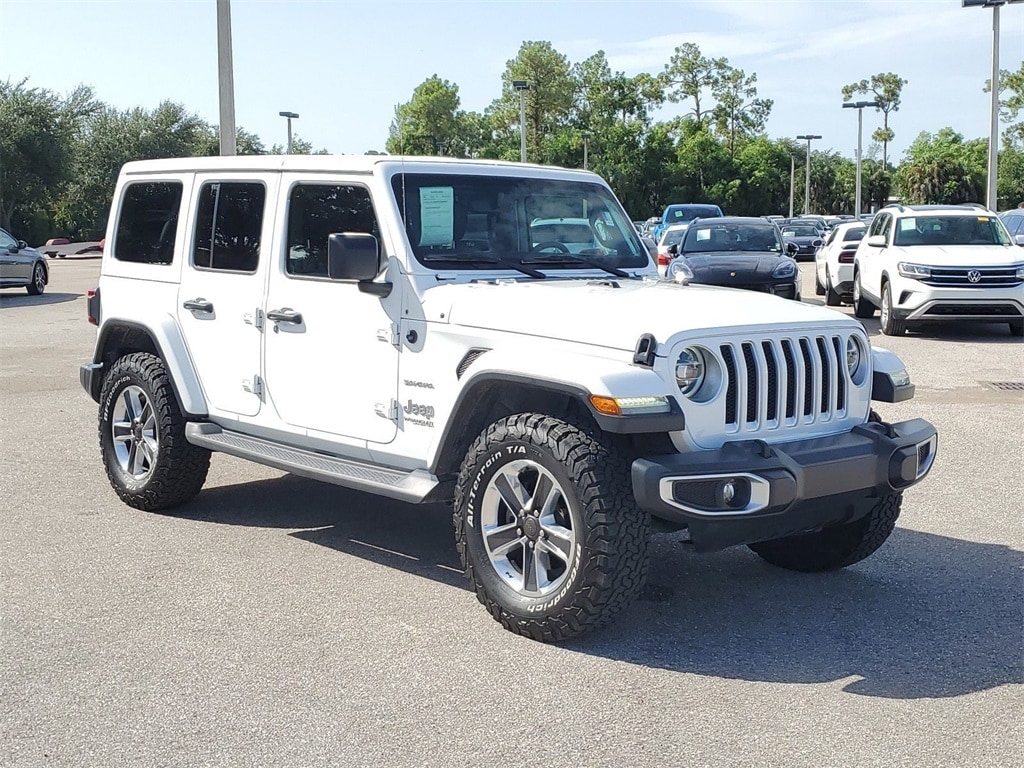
(932, 262)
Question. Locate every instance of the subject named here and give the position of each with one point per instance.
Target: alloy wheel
(134, 430)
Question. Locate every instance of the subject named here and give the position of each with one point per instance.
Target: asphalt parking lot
(277, 621)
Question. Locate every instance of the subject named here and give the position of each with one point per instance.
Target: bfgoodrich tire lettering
(838, 546)
(596, 561)
(148, 461)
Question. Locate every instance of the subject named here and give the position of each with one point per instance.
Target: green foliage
(886, 89)
(691, 76)
(738, 113)
(431, 123)
(1012, 105)
(943, 168)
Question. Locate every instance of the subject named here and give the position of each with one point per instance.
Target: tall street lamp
(993, 124)
(792, 178)
(859, 106)
(807, 182)
(522, 86)
(291, 116)
(226, 78)
(586, 138)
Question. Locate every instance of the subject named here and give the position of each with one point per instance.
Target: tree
(549, 102)
(943, 168)
(739, 113)
(690, 75)
(431, 123)
(1011, 106)
(885, 88)
(38, 130)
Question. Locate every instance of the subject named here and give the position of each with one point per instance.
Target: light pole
(859, 106)
(586, 138)
(993, 124)
(291, 116)
(522, 86)
(225, 78)
(792, 178)
(807, 182)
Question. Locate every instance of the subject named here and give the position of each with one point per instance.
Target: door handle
(285, 315)
(199, 305)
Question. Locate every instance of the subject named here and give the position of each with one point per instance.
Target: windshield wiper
(472, 258)
(572, 258)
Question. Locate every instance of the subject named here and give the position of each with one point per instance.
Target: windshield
(673, 236)
(950, 230)
(732, 236)
(487, 222)
(854, 234)
(805, 231)
(676, 214)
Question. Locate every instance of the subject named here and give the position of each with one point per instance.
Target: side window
(876, 225)
(148, 222)
(316, 211)
(6, 241)
(886, 227)
(229, 221)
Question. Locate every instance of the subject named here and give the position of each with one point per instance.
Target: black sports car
(807, 237)
(737, 252)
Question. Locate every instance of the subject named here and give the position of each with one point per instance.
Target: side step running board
(393, 483)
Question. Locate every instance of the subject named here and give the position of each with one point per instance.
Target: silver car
(21, 266)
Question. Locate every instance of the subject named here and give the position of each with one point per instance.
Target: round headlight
(689, 370)
(853, 356)
(680, 271)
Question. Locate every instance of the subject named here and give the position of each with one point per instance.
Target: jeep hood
(599, 313)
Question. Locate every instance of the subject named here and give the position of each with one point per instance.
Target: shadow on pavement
(927, 616)
(22, 299)
(976, 333)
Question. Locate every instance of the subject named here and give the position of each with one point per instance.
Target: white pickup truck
(397, 325)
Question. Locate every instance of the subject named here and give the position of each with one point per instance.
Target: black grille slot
(787, 353)
(805, 351)
(730, 392)
(826, 375)
(467, 361)
(841, 375)
(773, 382)
(752, 395)
(697, 493)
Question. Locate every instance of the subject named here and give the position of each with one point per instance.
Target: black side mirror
(791, 247)
(674, 249)
(356, 256)
(22, 244)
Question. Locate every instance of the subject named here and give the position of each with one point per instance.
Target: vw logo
(974, 276)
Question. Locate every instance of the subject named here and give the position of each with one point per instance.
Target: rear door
(222, 285)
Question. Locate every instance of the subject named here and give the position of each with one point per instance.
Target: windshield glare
(950, 230)
(732, 237)
(477, 222)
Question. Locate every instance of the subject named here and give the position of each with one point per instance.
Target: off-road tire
(838, 546)
(862, 308)
(889, 324)
(38, 283)
(832, 299)
(178, 471)
(609, 563)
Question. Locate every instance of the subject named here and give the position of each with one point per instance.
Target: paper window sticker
(703, 234)
(437, 216)
(908, 224)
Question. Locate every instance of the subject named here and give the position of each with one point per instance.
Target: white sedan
(833, 263)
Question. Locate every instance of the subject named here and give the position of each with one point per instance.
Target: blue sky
(343, 65)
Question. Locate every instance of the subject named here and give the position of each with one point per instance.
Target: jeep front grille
(784, 382)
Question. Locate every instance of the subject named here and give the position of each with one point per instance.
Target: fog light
(728, 491)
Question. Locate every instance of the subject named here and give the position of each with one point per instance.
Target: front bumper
(917, 301)
(781, 490)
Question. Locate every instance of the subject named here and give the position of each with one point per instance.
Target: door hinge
(260, 317)
(254, 385)
(254, 318)
(390, 334)
(389, 411)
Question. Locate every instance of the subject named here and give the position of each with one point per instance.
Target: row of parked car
(910, 263)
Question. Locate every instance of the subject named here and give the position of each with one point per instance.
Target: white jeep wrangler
(921, 263)
(397, 326)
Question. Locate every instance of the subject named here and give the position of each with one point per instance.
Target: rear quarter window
(147, 225)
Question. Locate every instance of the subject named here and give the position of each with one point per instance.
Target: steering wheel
(559, 247)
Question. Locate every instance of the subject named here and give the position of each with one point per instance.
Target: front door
(15, 265)
(222, 286)
(330, 357)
